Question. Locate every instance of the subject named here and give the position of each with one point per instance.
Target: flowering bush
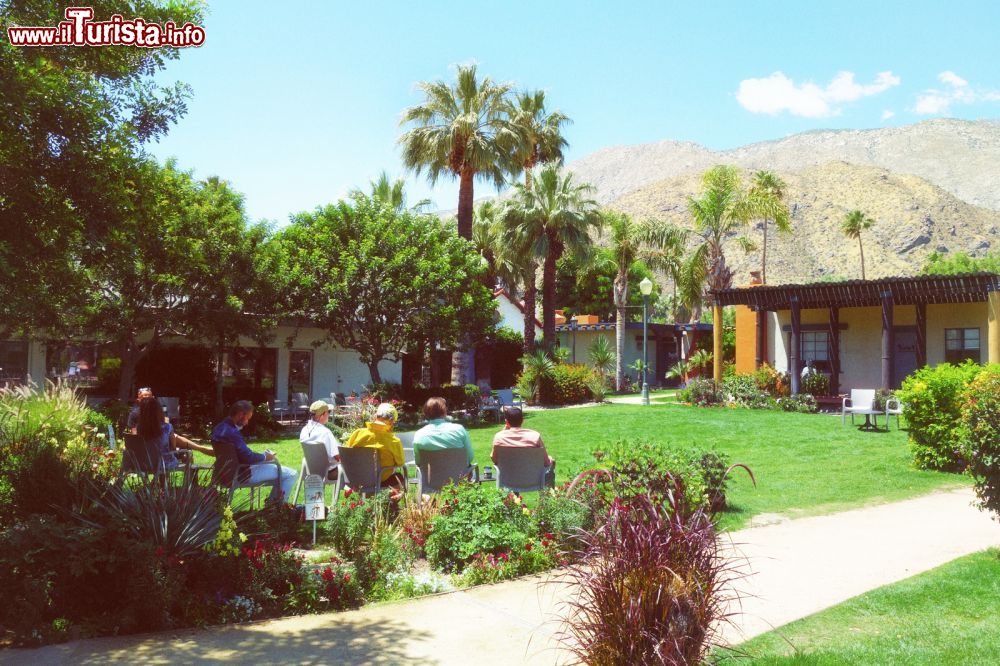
(567, 384)
(981, 429)
(354, 520)
(816, 384)
(802, 402)
(699, 391)
(772, 382)
(534, 556)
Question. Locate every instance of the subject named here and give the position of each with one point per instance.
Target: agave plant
(602, 356)
(537, 368)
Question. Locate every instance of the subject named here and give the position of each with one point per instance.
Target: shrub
(803, 402)
(981, 426)
(650, 583)
(567, 384)
(387, 553)
(772, 382)
(933, 400)
(476, 519)
(353, 523)
(560, 518)
(532, 557)
(700, 391)
(648, 468)
(741, 389)
(816, 383)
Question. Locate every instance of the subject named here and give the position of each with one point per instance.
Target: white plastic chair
(893, 407)
(520, 469)
(440, 467)
(862, 401)
(315, 460)
(360, 469)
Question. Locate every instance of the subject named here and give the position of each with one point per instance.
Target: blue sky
(299, 105)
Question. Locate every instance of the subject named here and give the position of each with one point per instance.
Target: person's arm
(397, 452)
(548, 459)
(243, 452)
(180, 442)
(493, 452)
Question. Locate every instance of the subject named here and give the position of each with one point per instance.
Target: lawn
(945, 616)
(805, 464)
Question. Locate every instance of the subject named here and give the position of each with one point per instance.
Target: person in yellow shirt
(378, 434)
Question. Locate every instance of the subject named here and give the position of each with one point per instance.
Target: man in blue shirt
(228, 430)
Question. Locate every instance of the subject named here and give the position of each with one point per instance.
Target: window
(814, 347)
(300, 372)
(961, 344)
(13, 361)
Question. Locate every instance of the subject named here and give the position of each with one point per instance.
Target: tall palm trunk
(763, 256)
(621, 295)
(861, 248)
(460, 357)
(530, 297)
(549, 290)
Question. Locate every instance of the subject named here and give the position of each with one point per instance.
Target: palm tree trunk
(621, 293)
(861, 248)
(530, 296)
(465, 199)
(763, 256)
(549, 291)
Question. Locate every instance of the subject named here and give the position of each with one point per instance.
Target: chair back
(171, 407)
(316, 457)
(440, 467)
(505, 397)
(409, 457)
(142, 456)
(521, 469)
(112, 442)
(360, 468)
(300, 401)
(227, 464)
(862, 398)
(406, 438)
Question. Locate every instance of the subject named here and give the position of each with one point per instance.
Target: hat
(319, 407)
(386, 411)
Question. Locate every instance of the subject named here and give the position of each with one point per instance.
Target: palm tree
(462, 130)
(766, 197)
(553, 215)
(540, 133)
(517, 269)
(392, 192)
(854, 223)
(720, 210)
(653, 243)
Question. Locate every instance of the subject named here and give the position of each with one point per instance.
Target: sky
(297, 106)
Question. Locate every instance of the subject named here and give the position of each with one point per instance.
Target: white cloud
(887, 114)
(957, 91)
(778, 93)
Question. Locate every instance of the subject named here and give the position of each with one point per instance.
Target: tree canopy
(382, 281)
(960, 262)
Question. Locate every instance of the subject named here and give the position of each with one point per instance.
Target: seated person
(316, 431)
(133, 415)
(228, 430)
(378, 434)
(152, 424)
(514, 435)
(440, 433)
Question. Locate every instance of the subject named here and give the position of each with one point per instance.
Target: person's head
(144, 392)
(386, 413)
(241, 412)
(320, 411)
(435, 408)
(514, 416)
(150, 418)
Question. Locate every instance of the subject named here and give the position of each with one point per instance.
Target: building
(867, 333)
(665, 343)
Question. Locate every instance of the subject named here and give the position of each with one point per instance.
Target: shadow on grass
(350, 638)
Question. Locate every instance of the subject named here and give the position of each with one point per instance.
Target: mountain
(959, 156)
(913, 219)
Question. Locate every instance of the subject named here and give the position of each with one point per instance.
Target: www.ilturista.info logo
(79, 30)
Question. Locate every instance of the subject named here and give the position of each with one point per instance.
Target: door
(904, 353)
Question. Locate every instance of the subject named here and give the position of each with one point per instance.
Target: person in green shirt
(440, 433)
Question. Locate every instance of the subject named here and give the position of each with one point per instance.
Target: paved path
(792, 569)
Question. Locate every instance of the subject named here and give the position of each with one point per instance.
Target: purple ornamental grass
(649, 585)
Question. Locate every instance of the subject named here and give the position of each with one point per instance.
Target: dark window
(13, 361)
(961, 344)
(300, 372)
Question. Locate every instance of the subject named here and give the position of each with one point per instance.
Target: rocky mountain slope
(913, 218)
(932, 186)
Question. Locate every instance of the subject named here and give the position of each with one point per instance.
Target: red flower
(328, 574)
(528, 546)
(348, 492)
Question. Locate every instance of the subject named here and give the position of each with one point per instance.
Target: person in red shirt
(515, 436)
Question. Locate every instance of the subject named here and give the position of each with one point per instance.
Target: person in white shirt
(316, 431)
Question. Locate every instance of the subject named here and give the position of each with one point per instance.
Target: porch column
(793, 371)
(993, 328)
(761, 342)
(921, 335)
(834, 350)
(717, 343)
(887, 341)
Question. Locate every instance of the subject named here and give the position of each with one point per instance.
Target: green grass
(805, 464)
(945, 616)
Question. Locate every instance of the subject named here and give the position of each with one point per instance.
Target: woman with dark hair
(153, 424)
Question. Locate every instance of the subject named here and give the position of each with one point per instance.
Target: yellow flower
(243, 538)
(525, 511)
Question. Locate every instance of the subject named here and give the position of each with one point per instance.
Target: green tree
(652, 242)
(960, 262)
(462, 130)
(853, 224)
(539, 132)
(553, 215)
(381, 281)
(392, 192)
(767, 203)
(73, 125)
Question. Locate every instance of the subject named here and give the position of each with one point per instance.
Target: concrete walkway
(791, 570)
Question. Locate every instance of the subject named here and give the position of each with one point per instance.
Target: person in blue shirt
(440, 433)
(228, 430)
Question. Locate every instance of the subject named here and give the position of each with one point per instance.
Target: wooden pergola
(918, 291)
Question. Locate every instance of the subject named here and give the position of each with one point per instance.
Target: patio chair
(520, 469)
(142, 456)
(299, 404)
(862, 401)
(315, 460)
(229, 473)
(278, 410)
(171, 408)
(360, 469)
(112, 441)
(893, 407)
(505, 398)
(440, 467)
